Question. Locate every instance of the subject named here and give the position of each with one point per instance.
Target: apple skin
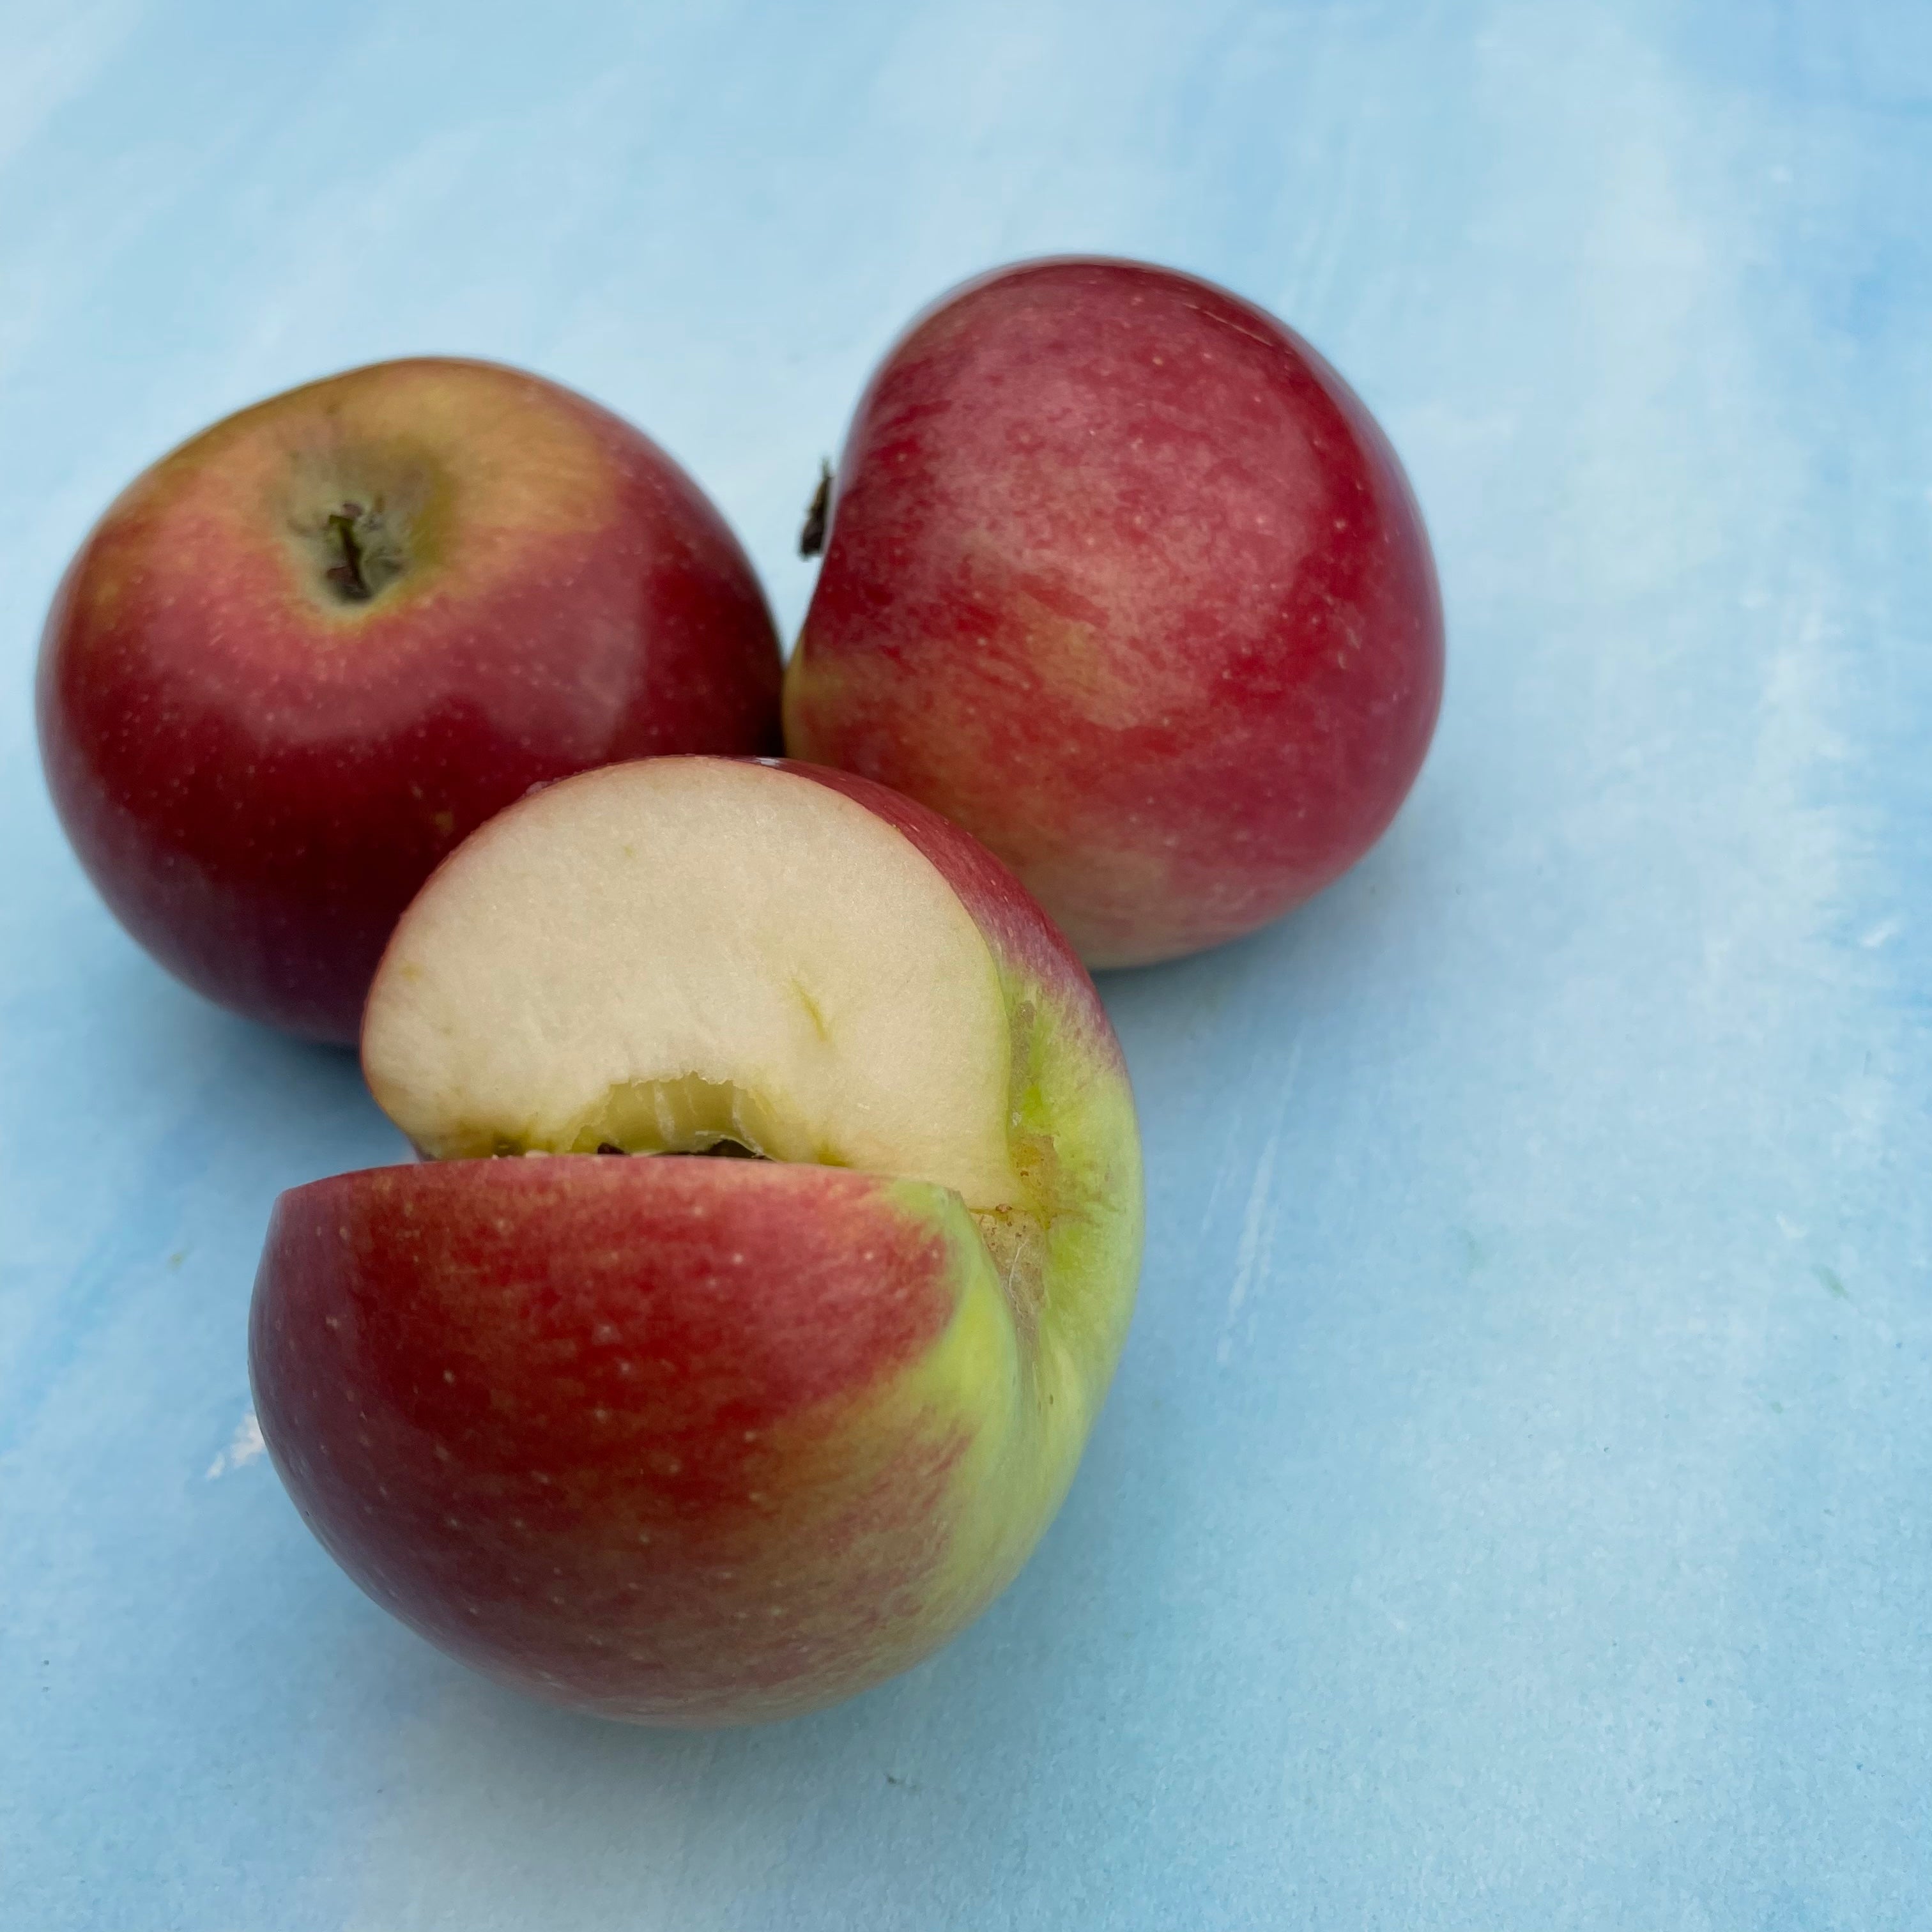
(1123, 577)
(692, 1441)
(258, 772)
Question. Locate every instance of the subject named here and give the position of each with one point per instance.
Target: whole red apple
(1123, 577)
(302, 657)
(689, 1441)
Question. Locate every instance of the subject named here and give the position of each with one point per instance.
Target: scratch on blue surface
(1256, 1252)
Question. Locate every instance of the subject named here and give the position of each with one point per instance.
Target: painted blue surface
(1515, 1509)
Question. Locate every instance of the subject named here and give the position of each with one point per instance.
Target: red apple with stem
(302, 657)
(699, 1440)
(1124, 578)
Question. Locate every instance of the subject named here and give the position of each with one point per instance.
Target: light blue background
(1515, 1508)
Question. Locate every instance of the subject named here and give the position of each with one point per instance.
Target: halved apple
(692, 1440)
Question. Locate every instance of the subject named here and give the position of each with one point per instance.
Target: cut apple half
(689, 1441)
(675, 954)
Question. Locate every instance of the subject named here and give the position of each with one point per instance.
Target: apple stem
(818, 514)
(347, 575)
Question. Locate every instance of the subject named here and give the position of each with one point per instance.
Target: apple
(694, 1441)
(1123, 577)
(302, 657)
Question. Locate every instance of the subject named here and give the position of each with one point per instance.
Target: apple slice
(701, 1441)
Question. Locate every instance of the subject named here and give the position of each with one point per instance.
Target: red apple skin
(623, 1432)
(1124, 578)
(258, 775)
